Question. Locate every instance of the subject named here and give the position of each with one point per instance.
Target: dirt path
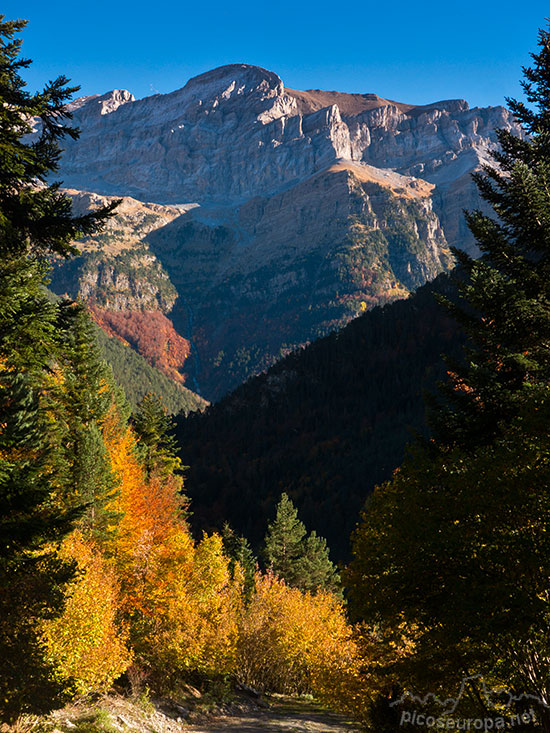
(282, 716)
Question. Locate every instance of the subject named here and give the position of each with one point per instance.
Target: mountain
(325, 424)
(257, 218)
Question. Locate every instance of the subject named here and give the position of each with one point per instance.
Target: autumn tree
(87, 644)
(292, 641)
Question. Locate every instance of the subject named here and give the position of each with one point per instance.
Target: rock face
(245, 284)
(236, 132)
(278, 215)
(128, 292)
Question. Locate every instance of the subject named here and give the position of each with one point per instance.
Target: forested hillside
(325, 424)
(137, 378)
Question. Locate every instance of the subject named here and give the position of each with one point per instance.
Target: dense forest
(137, 378)
(107, 587)
(325, 424)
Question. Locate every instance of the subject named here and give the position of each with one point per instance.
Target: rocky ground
(198, 713)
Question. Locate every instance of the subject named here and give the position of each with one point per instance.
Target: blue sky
(415, 52)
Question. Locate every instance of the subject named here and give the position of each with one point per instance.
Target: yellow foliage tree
(295, 642)
(198, 613)
(87, 644)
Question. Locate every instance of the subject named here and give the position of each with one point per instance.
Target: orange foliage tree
(180, 598)
(182, 603)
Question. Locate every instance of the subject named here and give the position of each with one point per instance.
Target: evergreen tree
(35, 220)
(284, 541)
(238, 550)
(36, 217)
(155, 430)
(315, 567)
(81, 404)
(302, 561)
(31, 575)
(456, 545)
(504, 307)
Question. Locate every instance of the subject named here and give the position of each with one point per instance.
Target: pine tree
(81, 404)
(504, 306)
(36, 217)
(238, 550)
(35, 220)
(303, 561)
(31, 575)
(154, 427)
(316, 569)
(284, 541)
(456, 545)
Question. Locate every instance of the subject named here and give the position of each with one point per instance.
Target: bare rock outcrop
(277, 214)
(236, 132)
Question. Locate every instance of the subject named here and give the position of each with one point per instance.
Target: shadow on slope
(325, 424)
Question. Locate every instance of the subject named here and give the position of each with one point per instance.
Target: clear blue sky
(415, 52)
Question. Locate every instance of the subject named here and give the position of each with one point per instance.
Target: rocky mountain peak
(312, 100)
(292, 210)
(235, 132)
(238, 78)
(450, 106)
(101, 104)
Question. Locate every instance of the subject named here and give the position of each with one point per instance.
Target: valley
(274, 410)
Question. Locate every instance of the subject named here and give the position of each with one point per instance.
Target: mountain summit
(262, 217)
(236, 132)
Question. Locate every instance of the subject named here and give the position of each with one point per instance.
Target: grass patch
(95, 721)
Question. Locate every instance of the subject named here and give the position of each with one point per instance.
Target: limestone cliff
(128, 292)
(245, 284)
(236, 132)
(277, 214)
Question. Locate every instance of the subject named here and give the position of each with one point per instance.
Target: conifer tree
(504, 306)
(154, 427)
(316, 569)
(82, 402)
(36, 217)
(35, 220)
(456, 544)
(302, 561)
(238, 550)
(31, 575)
(284, 541)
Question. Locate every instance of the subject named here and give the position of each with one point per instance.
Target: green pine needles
(302, 560)
(44, 479)
(453, 553)
(504, 306)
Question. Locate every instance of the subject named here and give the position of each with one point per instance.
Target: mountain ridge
(280, 215)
